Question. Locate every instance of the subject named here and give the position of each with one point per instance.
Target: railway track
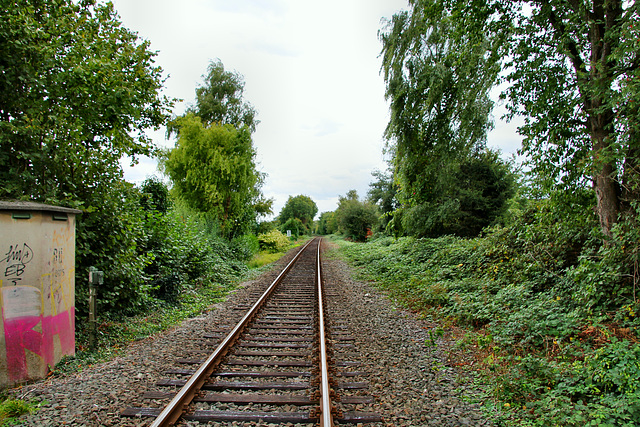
(285, 361)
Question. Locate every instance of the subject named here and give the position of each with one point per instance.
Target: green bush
(110, 235)
(601, 390)
(273, 241)
(245, 247)
(296, 227)
(355, 219)
(151, 256)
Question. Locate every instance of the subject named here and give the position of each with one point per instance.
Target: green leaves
(219, 99)
(273, 241)
(213, 164)
(568, 78)
(355, 219)
(440, 60)
(213, 170)
(76, 86)
(300, 207)
(546, 362)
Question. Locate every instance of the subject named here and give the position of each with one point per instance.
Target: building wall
(37, 298)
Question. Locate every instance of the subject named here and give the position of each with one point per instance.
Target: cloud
(273, 48)
(145, 168)
(324, 127)
(250, 7)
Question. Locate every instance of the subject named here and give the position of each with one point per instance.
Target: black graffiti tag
(17, 259)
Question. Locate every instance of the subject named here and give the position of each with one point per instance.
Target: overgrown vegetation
(155, 257)
(354, 219)
(297, 216)
(553, 309)
(543, 273)
(549, 290)
(273, 241)
(12, 409)
(93, 93)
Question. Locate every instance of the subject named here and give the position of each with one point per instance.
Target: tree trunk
(631, 173)
(608, 206)
(605, 18)
(605, 177)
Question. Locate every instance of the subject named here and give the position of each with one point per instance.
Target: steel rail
(174, 409)
(326, 417)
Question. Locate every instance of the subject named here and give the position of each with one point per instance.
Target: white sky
(311, 70)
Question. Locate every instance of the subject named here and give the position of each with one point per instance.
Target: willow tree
(439, 66)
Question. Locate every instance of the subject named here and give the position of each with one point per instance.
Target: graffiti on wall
(37, 308)
(16, 260)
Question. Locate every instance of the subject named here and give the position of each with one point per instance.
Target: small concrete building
(37, 289)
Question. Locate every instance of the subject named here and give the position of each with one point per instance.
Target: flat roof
(34, 206)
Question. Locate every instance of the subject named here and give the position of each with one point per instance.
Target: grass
(263, 258)
(11, 409)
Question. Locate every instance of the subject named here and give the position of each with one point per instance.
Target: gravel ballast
(411, 382)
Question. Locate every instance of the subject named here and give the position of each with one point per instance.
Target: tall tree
(77, 92)
(574, 77)
(572, 65)
(213, 169)
(213, 164)
(439, 66)
(220, 99)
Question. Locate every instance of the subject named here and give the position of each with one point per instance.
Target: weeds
(11, 409)
(554, 335)
(263, 258)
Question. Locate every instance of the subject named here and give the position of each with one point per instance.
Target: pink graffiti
(20, 336)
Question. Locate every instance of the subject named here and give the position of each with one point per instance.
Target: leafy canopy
(300, 207)
(213, 165)
(383, 192)
(213, 170)
(572, 69)
(439, 66)
(573, 76)
(77, 92)
(355, 219)
(219, 99)
(327, 224)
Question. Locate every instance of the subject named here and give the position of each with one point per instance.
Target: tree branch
(571, 46)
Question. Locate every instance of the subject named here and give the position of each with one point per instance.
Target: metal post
(96, 277)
